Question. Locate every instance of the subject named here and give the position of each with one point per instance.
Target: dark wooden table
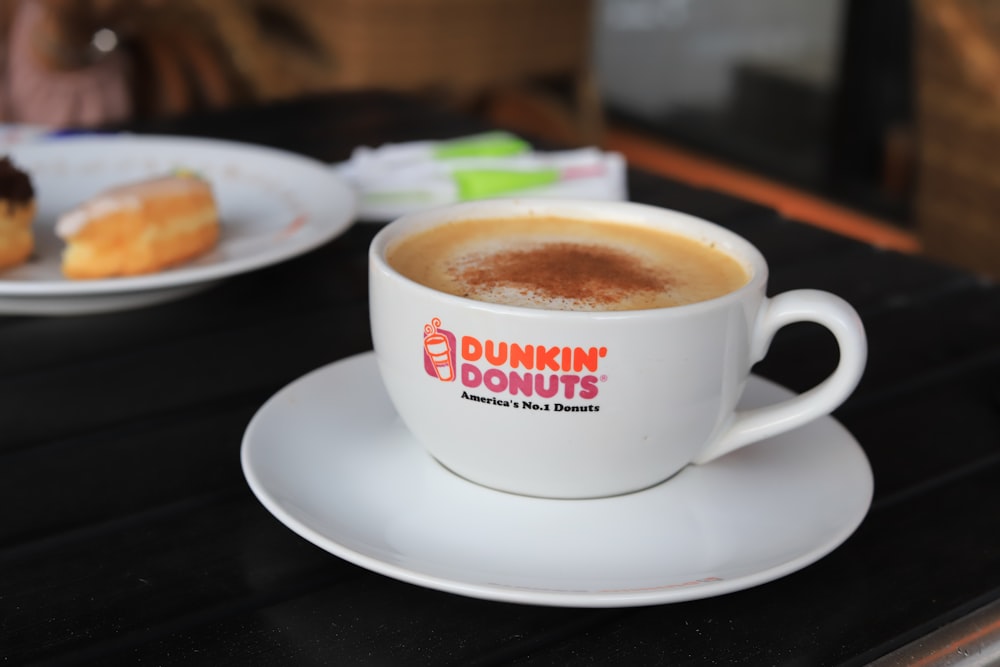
(128, 534)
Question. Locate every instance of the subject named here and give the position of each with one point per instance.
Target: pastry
(17, 212)
(140, 227)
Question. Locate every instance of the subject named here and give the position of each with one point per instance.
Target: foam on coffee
(566, 264)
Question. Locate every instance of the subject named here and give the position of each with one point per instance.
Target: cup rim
(619, 212)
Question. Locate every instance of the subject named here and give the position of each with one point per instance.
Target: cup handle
(805, 305)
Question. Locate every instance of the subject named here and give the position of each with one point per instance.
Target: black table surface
(129, 535)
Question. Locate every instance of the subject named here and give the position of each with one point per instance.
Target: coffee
(566, 264)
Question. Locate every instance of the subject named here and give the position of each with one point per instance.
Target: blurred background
(878, 118)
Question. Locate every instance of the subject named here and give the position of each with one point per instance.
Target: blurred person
(80, 63)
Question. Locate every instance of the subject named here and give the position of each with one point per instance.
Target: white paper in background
(401, 179)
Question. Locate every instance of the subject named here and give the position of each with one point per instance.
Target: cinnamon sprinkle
(586, 273)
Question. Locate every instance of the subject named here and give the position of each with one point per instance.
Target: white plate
(273, 206)
(328, 456)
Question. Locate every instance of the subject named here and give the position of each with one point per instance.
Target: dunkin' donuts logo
(518, 369)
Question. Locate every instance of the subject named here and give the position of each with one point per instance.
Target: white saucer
(273, 205)
(328, 456)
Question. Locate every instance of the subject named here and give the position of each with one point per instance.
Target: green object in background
(490, 144)
(484, 183)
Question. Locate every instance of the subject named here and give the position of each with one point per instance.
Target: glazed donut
(139, 228)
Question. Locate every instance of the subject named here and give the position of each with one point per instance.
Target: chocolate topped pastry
(15, 185)
(17, 212)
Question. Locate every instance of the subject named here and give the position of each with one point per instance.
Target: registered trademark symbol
(604, 378)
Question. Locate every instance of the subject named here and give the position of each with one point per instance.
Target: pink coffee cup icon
(438, 349)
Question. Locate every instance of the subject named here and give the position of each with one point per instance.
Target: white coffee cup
(665, 381)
